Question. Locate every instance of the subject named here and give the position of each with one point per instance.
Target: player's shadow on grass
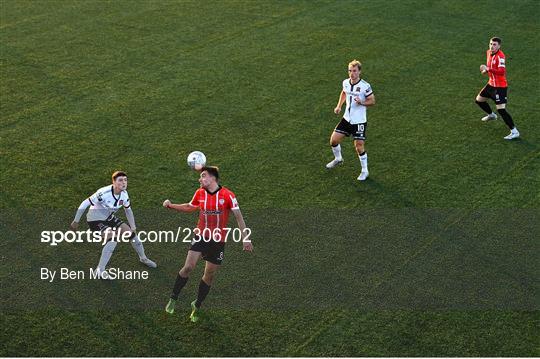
(391, 197)
(523, 142)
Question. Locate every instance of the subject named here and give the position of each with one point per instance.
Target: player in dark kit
(497, 87)
(214, 203)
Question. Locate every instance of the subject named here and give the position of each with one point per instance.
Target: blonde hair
(356, 63)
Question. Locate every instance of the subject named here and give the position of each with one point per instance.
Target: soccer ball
(196, 160)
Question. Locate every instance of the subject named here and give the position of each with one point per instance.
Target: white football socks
(337, 152)
(138, 246)
(363, 162)
(106, 254)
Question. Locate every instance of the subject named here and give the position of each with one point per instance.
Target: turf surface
(434, 255)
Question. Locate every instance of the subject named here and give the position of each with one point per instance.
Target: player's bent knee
(186, 270)
(125, 228)
(208, 278)
(335, 139)
(501, 106)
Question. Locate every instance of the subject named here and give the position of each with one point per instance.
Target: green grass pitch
(435, 255)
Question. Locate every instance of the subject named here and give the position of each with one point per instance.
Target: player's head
(209, 176)
(495, 44)
(119, 180)
(355, 69)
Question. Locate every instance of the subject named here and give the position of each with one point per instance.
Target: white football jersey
(104, 203)
(355, 113)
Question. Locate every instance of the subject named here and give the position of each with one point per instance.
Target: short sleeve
(502, 62)
(96, 198)
(368, 91)
(196, 199)
(127, 202)
(232, 201)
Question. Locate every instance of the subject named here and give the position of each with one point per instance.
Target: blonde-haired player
(357, 94)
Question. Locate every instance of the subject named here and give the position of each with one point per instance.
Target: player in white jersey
(101, 216)
(358, 95)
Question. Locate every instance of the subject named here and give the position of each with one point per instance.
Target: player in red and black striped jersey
(497, 87)
(214, 203)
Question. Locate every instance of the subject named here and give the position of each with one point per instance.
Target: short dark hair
(212, 171)
(117, 174)
(496, 39)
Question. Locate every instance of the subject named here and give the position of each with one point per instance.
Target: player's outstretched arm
(184, 207)
(246, 241)
(80, 211)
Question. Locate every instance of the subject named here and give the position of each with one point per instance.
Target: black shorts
(211, 250)
(357, 131)
(111, 222)
(497, 94)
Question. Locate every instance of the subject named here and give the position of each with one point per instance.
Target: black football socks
(485, 106)
(507, 118)
(203, 292)
(178, 285)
